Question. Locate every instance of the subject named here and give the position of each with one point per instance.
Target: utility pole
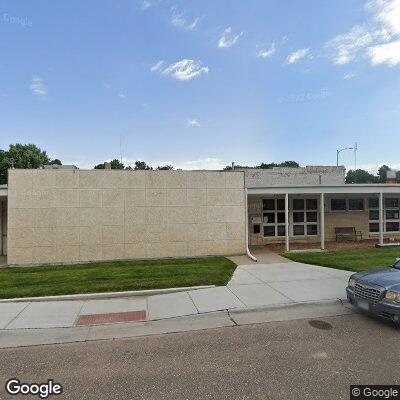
(120, 148)
(355, 155)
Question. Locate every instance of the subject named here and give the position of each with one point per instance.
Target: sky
(201, 83)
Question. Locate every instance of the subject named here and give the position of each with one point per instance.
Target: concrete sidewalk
(251, 287)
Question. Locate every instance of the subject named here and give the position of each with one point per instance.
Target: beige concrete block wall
(59, 216)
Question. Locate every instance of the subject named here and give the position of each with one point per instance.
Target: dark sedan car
(377, 291)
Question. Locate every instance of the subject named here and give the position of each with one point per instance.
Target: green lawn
(114, 276)
(351, 260)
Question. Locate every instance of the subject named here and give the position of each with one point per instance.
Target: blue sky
(202, 83)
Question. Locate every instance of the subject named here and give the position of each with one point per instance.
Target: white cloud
(377, 39)
(228, 39)
(183, 70)
(349, 76)
(204, 163)
(121, 96)
(157, 66)
(179, 21)
(388, 54)
(386, 12)
(266, 53)
(38, 87)
(346, 47)
(146, 4)
(297, 55)
(193, 122)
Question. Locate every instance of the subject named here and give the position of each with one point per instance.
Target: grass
(350, 260)
(114, 276)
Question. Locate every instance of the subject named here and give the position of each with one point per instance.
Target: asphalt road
(286, 360)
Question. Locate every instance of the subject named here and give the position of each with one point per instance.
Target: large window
(305, 217)
(352, 204)
(273, 217)
(391, 215)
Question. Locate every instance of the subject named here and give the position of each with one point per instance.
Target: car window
(397, 264)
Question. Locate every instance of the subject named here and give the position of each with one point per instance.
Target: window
(356, 204)
(312, 216)
(392, 226)
(350, 204)
(305, 217)
(298, 230)
(269, 218)
(280, 204)
(274, 217)
(392, 203)
(338, 205)
(391, 215)
(298, 216)
(298, 204)
(312, 230)
(312, 204)
(269, 204)
(373, 202)
(281, 217)
(281, 230)
(269, 231)
(374, 215)
(256, 229)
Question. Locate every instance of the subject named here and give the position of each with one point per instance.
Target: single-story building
(70, 215)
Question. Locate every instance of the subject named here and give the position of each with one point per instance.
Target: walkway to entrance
(263, 254)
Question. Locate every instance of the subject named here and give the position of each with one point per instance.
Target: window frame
(276, 211)
(385, 219)
(305, 223)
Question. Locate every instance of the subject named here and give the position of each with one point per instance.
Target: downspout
(247, 229)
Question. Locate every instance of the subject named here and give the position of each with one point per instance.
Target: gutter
(247, 229)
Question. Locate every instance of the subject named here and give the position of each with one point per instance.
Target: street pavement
(251, 287)
(277, 360)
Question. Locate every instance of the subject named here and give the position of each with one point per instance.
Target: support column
(381, 219)
(287, 221)
(322, 220)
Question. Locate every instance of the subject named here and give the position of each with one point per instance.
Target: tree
(287, 164)
(21, 156)
(115, 164)
(382, 172)
(56, 161)
(141, 165)
(165, 167)
(360, 176)
(229, 167)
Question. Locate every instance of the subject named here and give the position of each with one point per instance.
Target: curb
(343, 302)
(109, 295)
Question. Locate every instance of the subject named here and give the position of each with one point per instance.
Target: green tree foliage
(165, 167)
(115, 164)
(382, 171)
(288, 164)
(360, 176)
(56, 161)
(141, 165)
(21, 156)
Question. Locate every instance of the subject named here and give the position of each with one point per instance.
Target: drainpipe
(247, 229)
